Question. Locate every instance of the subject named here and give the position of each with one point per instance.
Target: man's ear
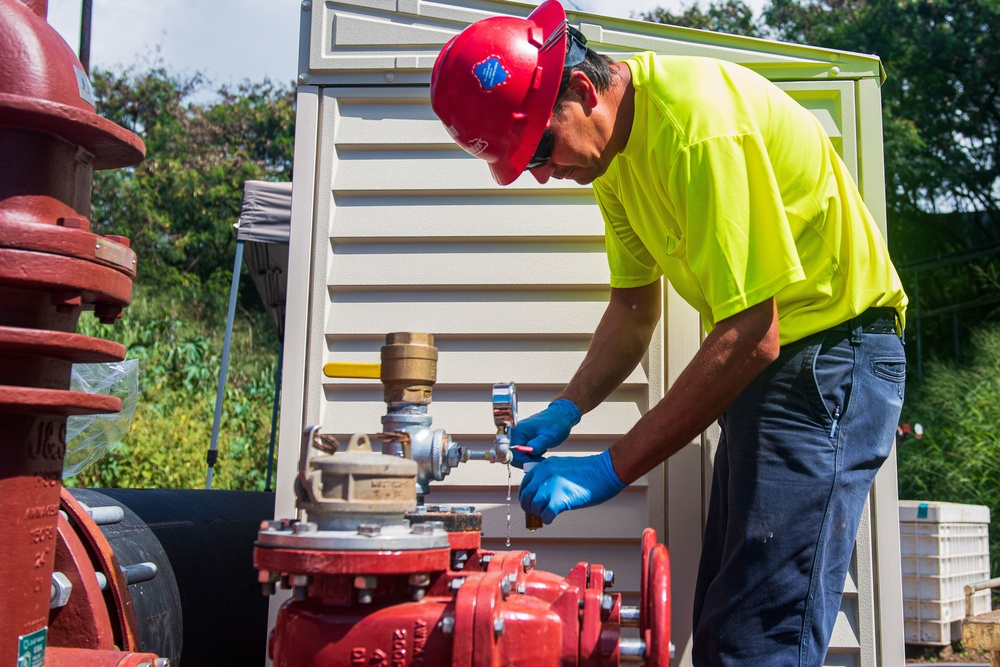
(583, 89)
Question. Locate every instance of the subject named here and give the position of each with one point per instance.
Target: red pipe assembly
(378, 580)
(51, 268)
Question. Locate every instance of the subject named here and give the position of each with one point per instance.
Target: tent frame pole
(213, 452)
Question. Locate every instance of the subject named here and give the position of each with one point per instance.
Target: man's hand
(544, 430)
(561, 483)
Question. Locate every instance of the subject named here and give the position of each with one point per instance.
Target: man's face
(578, 146)
(581, 129)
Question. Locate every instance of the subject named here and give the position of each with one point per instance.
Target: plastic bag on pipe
(90, 437)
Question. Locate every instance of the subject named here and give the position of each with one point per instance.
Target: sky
(228, 40)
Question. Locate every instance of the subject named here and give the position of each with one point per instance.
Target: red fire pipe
(51, 268)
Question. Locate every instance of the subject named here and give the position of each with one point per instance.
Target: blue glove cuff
(608, 470)
(568, 408)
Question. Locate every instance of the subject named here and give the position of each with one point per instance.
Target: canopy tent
(262, 232)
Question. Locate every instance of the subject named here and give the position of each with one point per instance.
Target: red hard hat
(495, 83)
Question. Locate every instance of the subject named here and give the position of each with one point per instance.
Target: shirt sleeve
(630, 262)
(740, 247)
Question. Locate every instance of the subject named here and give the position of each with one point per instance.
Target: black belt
(875, 320)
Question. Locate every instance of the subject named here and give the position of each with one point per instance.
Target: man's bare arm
(736, 351)
(618, 345)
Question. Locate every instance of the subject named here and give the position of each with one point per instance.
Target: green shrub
(958, 458)
(180, 357)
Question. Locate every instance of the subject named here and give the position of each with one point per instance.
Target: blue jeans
(797, 456)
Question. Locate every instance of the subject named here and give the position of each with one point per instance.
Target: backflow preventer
(379, 578)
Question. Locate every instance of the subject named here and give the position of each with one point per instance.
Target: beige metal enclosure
(394, 228)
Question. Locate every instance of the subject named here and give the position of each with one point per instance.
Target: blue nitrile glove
(561, 483)
(544, 430)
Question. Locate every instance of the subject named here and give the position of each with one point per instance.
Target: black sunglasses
(544, 151)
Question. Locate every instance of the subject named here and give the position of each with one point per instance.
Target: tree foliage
(729, 16)
(178, 207)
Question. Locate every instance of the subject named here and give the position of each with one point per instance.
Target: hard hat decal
(491, 73)
(476, 146)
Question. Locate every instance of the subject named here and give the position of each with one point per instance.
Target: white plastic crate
(944, 546)
(933, 633)
(944, 610)
(943, 566)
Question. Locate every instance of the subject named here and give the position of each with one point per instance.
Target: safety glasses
(544, 151)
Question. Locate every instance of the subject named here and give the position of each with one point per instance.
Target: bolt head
(303, 78)
(306, 6)
(609, 578)
(365, 582)
(369, 529)
(447, 625)
(303, 527)
(456, 583)
(498, 626)
(422, 579)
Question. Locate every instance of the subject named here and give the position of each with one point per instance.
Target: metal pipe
(632, 652)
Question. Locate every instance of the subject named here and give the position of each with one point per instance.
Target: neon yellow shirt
(733, 191)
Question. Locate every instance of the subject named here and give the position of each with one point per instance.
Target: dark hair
(596, 66)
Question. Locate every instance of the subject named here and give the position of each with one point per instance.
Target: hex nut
(609, 578)
(447, 625)
(498, 626)
(61, 589)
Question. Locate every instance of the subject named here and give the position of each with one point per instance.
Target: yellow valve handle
(352, 369)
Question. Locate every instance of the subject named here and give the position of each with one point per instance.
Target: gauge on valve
(504, 407)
